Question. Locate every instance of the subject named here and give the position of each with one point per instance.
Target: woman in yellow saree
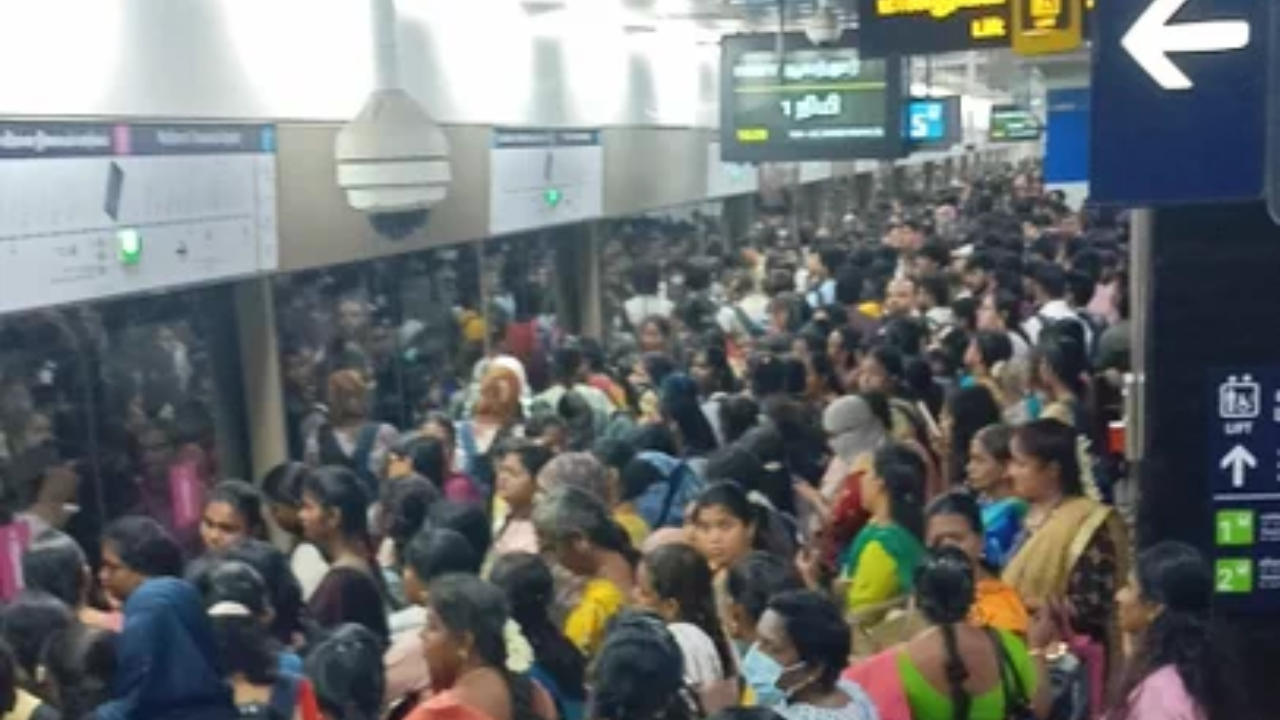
(1073, 548)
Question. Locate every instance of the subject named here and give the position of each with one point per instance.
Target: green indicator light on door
(129, 247)
(552, 197)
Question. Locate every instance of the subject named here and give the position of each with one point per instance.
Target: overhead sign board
(1044, 27)
(810, 103)
(1012, 123)
(1179, 106)
(929, 27)
(1244, 446)
(932, 27)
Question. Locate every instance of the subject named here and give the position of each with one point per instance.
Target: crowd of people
(852, 473)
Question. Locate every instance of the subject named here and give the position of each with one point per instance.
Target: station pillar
(1208, 281)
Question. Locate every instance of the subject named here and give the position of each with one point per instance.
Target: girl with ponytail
(954, 670)
(335, 518)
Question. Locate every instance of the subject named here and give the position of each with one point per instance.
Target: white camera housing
(393, 158)
(823, 27)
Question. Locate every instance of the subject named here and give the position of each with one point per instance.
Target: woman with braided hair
(639, 673)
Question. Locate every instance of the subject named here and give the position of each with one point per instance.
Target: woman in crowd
(628, 481)
(351, 439)
(855, 431)
(727, 526)
(577, 530)
(441, 427)
(284, 594)
(984, 361)
(402, 511)
(464, 641)
(496, 417)
(953, 669)
(558, 666)
(433, 553)
(335, 515)
(282, 487)
(168, 665)
(675, 583)
(235, 598)
(26, 622)
(988, 475)
(1061, 376)
(1073, 548)
(519, 463)
(968, 410)
(1165, 609)
(844, 348)
(646, 382)
(80, 667)
(955, 520)
(639, 674)
(431, 457)
(347, 675)
(802, 645)
(232, 512)
(880, 563)
(56, 565)
(682, 411)
(751, 582)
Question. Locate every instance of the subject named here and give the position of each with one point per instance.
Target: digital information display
(1244, 450)
(931, 27)
(1010, 123)
(934, 123)
(814, 103)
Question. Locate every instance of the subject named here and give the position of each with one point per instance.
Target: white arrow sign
(1152, 39)
(1239, 461)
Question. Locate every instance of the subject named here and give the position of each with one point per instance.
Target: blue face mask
(762, 674)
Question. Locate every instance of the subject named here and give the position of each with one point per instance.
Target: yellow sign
(1043, 27)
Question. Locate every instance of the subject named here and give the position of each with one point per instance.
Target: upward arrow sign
(1152, 38)
(1239, 461)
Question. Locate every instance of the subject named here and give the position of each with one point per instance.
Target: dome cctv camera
(393, 163)
(823, 27)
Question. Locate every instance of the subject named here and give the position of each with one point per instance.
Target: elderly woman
(576, 528)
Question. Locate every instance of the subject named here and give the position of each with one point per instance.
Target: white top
(309, 567)
(1055, 310)
(702, 664)
(642, 306)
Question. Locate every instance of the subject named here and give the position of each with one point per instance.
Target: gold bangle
(1053, 651)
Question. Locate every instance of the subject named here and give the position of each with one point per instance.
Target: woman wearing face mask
(988, 476)
(1165, 610)
(802, 644)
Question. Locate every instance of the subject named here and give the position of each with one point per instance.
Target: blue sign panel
(1244, 447)
(1066, 154)
(1179, 111)
(926, 120)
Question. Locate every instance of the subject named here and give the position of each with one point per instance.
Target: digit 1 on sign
(786, 107)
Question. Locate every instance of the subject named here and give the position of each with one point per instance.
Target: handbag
(1017, 705)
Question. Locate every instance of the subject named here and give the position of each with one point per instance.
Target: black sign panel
(813, 103)
(930, 27)
(927, 27)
